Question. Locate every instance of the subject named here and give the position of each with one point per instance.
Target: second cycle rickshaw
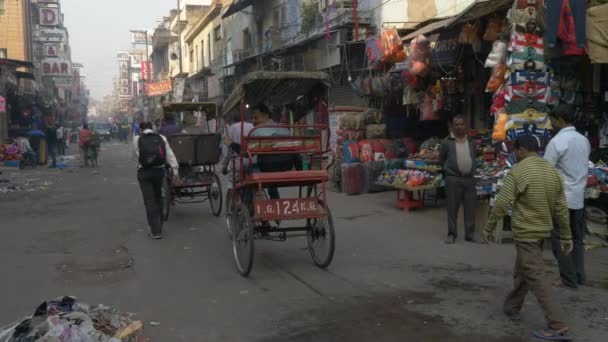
(197, 151)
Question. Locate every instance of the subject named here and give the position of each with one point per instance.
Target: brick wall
(12, 32)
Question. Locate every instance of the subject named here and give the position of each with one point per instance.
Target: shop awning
(434, 26)
(236, 6)
(16, 63)
(478, 9)
(27, 75)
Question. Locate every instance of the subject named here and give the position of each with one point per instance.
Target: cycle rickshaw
(197, 153)
(250, 213)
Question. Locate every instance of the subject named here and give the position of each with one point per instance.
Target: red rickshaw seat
(289, 176)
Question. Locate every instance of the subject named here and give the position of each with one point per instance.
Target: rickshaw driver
(272, 162)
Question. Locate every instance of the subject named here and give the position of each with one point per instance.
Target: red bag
(374, 52)
(390, 150)
(366, 151)
(349, 134)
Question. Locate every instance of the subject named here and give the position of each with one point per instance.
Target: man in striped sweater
(535, 192)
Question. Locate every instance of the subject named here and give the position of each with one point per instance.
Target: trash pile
(66, 319)
(13, 183)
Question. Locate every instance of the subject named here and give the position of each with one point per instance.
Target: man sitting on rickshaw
(266, 127)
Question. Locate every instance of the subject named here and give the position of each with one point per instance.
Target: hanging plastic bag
(500, 127)
(374, 52)
(498, 55)
(392, 48)
(420, 48)
(497, 79)
(426, 110)
(419, 68)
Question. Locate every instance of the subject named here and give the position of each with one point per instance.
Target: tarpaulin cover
(276, 87)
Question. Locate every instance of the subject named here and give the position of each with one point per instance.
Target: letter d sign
(49, 16)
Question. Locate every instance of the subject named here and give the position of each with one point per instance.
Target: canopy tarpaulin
(276, 87)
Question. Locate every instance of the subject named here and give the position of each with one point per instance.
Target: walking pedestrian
(154, 154)
(534, 190)
(569, 152)
(457, 155)
(51, 141)
(84, 141)
(60, 140)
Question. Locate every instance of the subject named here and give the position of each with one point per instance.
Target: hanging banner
(2, 104)
(160, 88)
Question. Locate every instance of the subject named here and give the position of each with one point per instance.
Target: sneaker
(155, 236)
(513, 317)
(450, 240)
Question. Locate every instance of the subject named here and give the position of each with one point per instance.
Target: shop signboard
(159, 88)
(334, 126)
(146, 71)
(56, 67)
(50, 35)
(63, 82)
(51, 50)
(49, 16)
(178, 93)
(140, 37)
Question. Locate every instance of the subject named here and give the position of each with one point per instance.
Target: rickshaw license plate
(295, 207)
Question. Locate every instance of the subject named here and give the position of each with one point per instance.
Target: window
(192, 56)
(1, 6)
(196, 60)
(202, 54)
(246, 39)
(217, 32)
(209, 49)
(3, 52)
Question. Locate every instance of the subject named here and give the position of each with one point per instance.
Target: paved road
(392, 278)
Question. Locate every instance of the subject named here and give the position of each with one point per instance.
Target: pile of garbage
(66, 319)
(11, 184)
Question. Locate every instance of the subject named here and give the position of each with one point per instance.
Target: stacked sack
(520, 80)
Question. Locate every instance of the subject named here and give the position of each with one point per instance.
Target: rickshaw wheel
(215, 196)
(165, 192)
(242, 239)
(321, 239)
(229, 212)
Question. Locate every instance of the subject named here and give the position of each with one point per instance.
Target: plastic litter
(66, 319)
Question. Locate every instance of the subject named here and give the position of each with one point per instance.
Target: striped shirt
(534, 190)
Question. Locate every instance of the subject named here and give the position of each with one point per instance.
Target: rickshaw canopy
(276, 87)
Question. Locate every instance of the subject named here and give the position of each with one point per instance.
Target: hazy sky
(98, 29)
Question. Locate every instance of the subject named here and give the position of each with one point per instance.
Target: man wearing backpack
(153, 154)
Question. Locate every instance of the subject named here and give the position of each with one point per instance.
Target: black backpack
(152, 151)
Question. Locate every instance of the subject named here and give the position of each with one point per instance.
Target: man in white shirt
(153, 154)
(569, 152)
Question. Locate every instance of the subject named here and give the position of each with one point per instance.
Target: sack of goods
(374, 116)
(375, 131)
(353, 178)
(152, 151)
(354, 121)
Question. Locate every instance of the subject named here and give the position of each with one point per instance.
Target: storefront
(497, 72)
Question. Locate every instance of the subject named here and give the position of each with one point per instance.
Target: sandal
(552, 335)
